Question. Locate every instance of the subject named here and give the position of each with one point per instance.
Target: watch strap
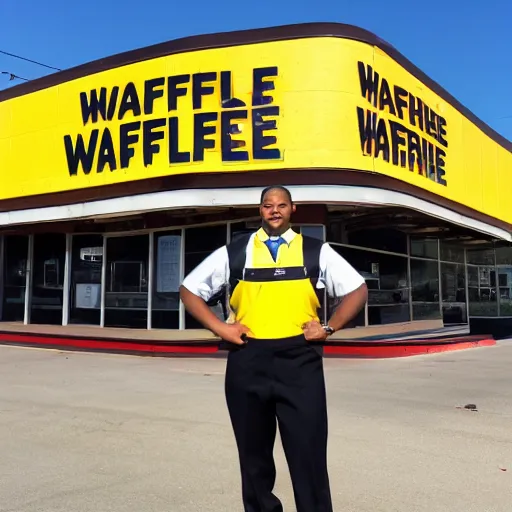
(328, 329)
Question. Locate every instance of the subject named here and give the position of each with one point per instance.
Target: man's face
(276, 210)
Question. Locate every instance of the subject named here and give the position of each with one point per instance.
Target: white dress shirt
(212, 274)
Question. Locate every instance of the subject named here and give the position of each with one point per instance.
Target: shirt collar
(287, 236)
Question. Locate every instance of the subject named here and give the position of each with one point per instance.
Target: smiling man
(276, 279)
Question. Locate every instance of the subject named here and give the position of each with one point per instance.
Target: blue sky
(463, 45)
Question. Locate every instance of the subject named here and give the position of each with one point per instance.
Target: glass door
(453, 286)
(126, 286)
(85, 282)
(48, 279)
(14, 278)
(167, 270)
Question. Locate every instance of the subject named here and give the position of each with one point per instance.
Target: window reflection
(200, 243)
(505, 289)
(48, 279)
(390, 240)
(504, 256)
(451, 252)
(386, 278)
(482, 290)
(167, 264)
(242, 228)
(85, 286)
(311, 231)
(424, 248)
(14, 278)
(453, 281)
(483, 256)
(126, 295)
(425, 290)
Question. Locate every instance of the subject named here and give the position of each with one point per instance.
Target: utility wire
(12, 76)
(29, 60)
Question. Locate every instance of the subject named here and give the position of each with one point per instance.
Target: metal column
(28, 280)
(151, 273)
(182, 276)
(67, 279)
(103, 281)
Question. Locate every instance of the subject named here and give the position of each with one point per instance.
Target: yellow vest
(274, 299)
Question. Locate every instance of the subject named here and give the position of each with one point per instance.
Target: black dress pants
(279, 381)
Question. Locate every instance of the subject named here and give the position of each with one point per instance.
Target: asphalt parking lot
(98, 433)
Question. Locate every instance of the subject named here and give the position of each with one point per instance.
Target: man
(275, 279)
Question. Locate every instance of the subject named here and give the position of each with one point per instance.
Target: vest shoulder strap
(311, 248)
(237, 253)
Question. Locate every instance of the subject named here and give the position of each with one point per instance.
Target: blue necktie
(273, 246)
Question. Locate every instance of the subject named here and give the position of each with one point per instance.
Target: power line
(29, 60)
(12, 76)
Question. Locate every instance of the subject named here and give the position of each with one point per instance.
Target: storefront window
(505, 289)
(389, 240)
(48, 279)
(453, 286)
(482, 291)
(14, 278)
(504, 267)
(200, 243)
(241, 228)
(165, 312)
(504, 256)
(484, 256)
(311, 231)
(425, 248)
(386, 278)
(336, 231)
(425, 289)
(452, 252)
(85, 284)
(126, 295)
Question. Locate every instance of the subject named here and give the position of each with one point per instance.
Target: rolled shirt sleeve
(210, 276)
(336, 274)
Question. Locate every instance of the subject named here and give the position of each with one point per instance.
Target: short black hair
(275, 187)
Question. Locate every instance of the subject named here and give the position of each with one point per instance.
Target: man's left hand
(313, 331)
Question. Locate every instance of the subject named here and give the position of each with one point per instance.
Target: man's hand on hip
(313, 331)
(233, 333)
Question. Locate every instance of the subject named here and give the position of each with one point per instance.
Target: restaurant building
(119, 176)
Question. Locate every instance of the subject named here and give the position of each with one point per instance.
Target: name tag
(262, 275)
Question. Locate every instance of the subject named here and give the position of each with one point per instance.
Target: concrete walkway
(99, 433)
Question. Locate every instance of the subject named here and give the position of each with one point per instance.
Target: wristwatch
(329, 330)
